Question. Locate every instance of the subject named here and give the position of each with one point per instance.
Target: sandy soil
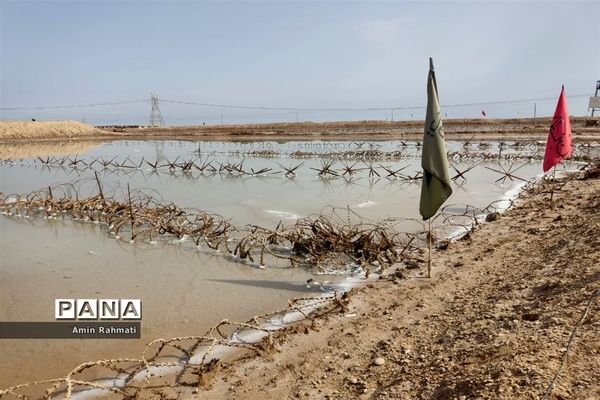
(18, 130)
(584, 129)
(494, 322)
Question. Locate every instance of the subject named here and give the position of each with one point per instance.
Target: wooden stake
(131, 213)
(99, 185)
(429, 258)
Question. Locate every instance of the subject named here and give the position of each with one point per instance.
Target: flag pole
(552, 183)
(436, 185)
(429, 258)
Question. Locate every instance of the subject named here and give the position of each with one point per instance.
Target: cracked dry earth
(494, 321)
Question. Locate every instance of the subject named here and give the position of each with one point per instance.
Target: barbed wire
(197, 358)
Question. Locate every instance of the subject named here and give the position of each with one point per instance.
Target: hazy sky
(293, 54)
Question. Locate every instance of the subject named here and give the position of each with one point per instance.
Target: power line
(274, 108)
(73, 105)
(304, 109)
(512, 101)
(362, 109)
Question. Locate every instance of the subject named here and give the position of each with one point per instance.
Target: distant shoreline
(585, 129)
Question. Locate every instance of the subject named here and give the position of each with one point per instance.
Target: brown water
(183, 292)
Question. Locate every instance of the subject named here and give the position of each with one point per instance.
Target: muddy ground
(584, 129)
(456, 129)
(495, 321)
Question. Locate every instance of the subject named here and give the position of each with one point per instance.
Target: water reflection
(17, 150)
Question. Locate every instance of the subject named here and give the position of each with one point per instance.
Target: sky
(293, 54)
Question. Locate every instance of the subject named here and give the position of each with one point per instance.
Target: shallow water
(186, 291)
(183, 291)
(270, 197)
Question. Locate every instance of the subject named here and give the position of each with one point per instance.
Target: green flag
(436, 180)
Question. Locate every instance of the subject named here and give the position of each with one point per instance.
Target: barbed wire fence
(196, 357)
(335, 237)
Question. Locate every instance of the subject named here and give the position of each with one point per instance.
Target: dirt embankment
(496, 320)
(475, 129)
(584, 129)
(45, 130)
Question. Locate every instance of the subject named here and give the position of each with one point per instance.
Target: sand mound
(45, 129)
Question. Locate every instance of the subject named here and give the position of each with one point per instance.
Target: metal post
(596, 95)
(429, 258)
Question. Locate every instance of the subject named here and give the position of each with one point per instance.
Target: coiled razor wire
(194, 358)
(325, 242)
(190, 361)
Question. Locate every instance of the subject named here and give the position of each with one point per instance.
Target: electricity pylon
(156, 118)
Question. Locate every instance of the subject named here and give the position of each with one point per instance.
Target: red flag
(558, 146)
(483, 113)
